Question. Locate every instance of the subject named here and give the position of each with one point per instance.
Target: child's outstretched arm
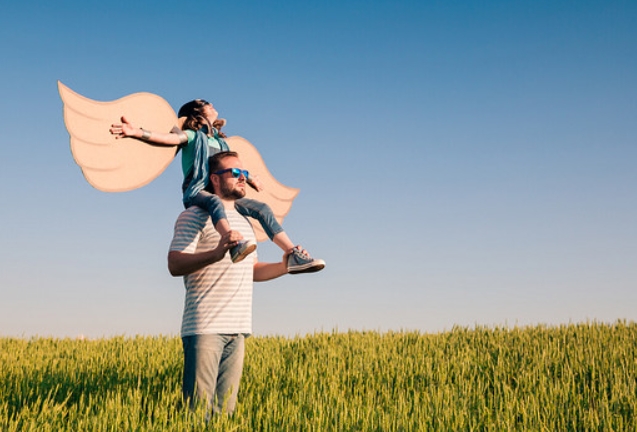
(126, 129)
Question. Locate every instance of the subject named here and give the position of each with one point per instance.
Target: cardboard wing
(119, 165)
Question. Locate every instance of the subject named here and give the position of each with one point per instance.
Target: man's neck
(227, 203)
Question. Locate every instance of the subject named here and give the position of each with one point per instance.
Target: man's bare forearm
(267, 271)
(181, 263)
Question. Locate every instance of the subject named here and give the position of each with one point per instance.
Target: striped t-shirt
(219, 296)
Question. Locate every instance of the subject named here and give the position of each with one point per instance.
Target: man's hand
(289, 251)
(228, 240)
(182, 263)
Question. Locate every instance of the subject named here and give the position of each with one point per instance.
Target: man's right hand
(181, 263)
(228, 240)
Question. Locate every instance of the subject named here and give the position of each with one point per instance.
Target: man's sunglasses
(236, 172)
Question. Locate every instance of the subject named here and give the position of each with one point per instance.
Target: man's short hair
(214, 163)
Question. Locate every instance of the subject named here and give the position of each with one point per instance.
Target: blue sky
(460, 163)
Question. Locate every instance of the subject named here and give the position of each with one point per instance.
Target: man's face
(231, 187)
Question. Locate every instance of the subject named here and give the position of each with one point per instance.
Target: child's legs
(263, 213)
(213, 205)
(282, 240)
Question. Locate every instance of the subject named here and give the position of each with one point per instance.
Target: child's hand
(124, 129)
(218, 124)
(255, 183)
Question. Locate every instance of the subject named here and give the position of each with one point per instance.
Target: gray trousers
(213, 364)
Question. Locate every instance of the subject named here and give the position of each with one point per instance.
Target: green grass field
(579, 377)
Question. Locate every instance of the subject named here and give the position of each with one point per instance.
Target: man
(218, 306)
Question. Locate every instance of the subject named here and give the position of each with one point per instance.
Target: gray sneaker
(242, 250)
(299, 262)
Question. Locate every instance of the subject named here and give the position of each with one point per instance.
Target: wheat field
(578, 377)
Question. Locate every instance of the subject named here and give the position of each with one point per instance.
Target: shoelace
(298, 252)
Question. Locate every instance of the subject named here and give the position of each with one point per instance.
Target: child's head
(198, 113)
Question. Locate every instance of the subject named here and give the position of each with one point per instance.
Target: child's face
(210, 113)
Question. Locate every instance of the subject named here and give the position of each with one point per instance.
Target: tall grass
(569, 378)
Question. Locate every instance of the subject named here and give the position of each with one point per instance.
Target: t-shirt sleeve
(190, 134)
(187, 233)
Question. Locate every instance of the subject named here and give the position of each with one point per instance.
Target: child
(199, 137)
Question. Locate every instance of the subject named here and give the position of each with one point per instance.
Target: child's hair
(193, 111)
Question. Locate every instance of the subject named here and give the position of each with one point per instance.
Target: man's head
(227, 176)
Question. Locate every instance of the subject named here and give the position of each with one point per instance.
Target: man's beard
(231, 193)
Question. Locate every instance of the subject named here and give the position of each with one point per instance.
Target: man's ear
(214, 179)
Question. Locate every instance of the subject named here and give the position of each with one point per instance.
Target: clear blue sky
(460, 163)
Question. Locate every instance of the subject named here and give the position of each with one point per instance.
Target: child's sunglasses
(236, 172)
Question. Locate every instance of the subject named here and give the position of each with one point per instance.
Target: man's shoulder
(193, 214)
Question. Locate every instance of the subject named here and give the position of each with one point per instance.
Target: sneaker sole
(244, 254)
(313, 267)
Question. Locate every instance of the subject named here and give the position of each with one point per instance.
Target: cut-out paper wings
(119, 165)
